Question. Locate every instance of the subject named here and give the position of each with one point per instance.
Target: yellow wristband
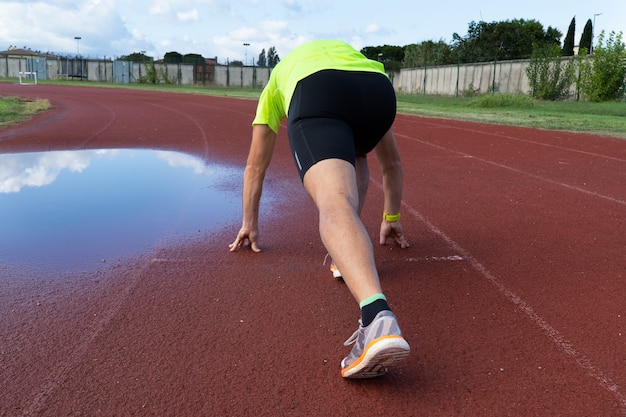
(391, 217)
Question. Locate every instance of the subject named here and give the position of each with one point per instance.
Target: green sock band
(371, 299)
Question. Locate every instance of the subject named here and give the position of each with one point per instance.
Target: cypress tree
(568, 42)
(586, 38)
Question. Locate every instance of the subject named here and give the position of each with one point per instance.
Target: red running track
(511, 295)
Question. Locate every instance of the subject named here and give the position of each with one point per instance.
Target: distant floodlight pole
(246, 44)
(593, 32)
(78, 38)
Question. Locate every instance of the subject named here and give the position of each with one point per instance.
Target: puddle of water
(72, 209)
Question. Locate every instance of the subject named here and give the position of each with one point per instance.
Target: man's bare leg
(332, 183)
(362, 179)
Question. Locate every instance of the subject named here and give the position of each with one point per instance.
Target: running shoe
(376, 347)
(335, 271)
(333, 267)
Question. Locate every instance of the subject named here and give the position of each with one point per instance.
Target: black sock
(369, 312)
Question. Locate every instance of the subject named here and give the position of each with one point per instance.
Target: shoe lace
(352, 338)
(325, 258)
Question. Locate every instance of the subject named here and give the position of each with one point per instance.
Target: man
(340, 106)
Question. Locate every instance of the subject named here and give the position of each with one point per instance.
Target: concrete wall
(130, 72)
(101, 71)
(93, 70)
(10, 67)
(243, 77)
(503, 76)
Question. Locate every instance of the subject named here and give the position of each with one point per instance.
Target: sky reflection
(70, 209)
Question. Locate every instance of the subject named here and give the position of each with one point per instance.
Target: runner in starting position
(340, 106)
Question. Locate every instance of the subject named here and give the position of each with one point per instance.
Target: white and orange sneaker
(336, 272)
(376, 347)
(333, 268)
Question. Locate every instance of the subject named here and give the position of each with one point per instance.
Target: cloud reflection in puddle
(69, 209)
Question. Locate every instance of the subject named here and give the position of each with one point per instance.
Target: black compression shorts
(339, 114)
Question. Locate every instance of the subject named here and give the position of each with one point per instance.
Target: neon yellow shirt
(301, 62)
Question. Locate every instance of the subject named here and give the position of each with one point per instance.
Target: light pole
(593, 32)
(78, 38)
(246, 44)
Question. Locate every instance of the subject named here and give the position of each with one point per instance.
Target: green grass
(608, 118)
(15, 110)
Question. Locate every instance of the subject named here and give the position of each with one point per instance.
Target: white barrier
(27, 73)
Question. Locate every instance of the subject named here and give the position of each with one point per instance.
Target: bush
(549, 77)
(602, 77)
(470, 92)
(151, 75)
(502, 100)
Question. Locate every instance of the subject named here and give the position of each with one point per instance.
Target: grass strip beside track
(606, 118)
(15, 110)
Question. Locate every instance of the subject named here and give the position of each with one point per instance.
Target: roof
(12, 51)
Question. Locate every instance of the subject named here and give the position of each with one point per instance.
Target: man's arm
(389, 158)
(259, 157)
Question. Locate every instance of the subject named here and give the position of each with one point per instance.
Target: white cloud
(219, 27)
(190, 15)
(372, 28)
(38, 169)
(50, 26)
(266, 34)
(161, 8)
(175, 159)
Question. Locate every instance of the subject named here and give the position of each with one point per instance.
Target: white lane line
(518, 171)
(517, 139)
(553, 334)
(453, 258)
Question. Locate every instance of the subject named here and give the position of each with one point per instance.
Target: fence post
(458, 74)
(493, 83)
(425, 71)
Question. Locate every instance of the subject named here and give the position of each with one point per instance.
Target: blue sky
(219, 28)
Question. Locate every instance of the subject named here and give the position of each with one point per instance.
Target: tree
(568, 42)
(586, 37)
(195, 59)
(507, 40)
(428, 53)
(136, 57)
(391, 56)
(272, 57)
(173, 58)
(604, 77)
(262, 61)
(384, 53)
